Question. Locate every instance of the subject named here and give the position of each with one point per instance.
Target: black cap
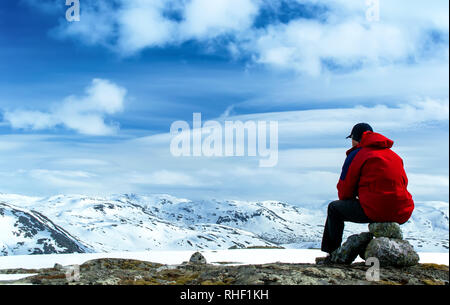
(358, 130)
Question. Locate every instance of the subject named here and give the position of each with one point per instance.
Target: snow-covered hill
(30, 232)
(163, 222)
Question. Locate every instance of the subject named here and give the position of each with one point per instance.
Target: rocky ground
(134, 272)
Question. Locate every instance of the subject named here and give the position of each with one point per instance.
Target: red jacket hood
(373, 139)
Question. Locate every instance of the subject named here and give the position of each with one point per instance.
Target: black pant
(340, 211)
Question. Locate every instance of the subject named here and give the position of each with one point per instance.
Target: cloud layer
(83, 114)
(331, 36)
(311, 153)
(392, 74)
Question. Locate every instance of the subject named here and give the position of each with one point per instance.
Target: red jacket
(374, 173)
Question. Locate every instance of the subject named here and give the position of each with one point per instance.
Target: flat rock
(392, 252)
(386, 229)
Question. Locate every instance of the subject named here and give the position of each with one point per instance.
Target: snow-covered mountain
(138, 223)
(30, 232)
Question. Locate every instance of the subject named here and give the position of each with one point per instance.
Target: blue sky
(86, 107)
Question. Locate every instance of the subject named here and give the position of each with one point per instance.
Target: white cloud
(165, 177)
(208, 19)
(423, 184)
(323, 122)
(29, 119)
(349, 40)
(98, 25)
(65, 179)
(302, 45)
(129, 26)
(344, 36)
(77, 162)
(39, 173)
(82, 114)
(142, 24)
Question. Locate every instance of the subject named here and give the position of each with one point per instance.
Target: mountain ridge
(131, 222)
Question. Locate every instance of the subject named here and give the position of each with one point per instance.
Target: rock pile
(384, 241)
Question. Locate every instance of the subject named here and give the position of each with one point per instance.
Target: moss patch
(434, 266)
(432, 282)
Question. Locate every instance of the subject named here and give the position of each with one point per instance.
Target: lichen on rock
(386, 229)
(197, 258)
(392, 252)
(354, 245)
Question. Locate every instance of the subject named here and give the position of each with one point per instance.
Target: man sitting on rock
(372, 187)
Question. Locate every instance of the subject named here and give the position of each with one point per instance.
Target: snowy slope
(118, 224)
(29, 232)
(295, 227)
(163, 222)
(428, 228)
(276, 222)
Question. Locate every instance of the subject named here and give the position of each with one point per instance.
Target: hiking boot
(324, 260)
